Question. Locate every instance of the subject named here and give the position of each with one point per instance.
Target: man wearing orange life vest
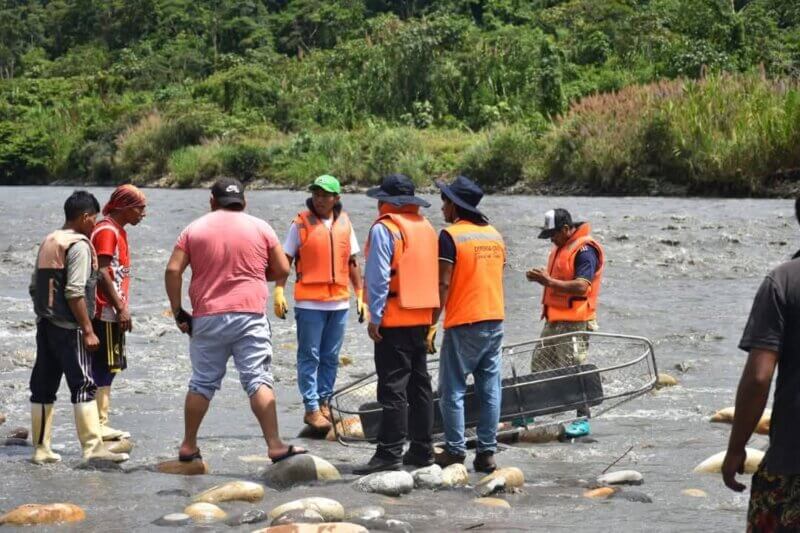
(569, 304)
(471, 259)
(323, 245)
(401, 277)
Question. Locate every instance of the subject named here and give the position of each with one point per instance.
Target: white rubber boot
(103, 397)
(42, 426)
(87, 422)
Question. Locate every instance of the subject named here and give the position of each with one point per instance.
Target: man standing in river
(772, 339)
(232, 255)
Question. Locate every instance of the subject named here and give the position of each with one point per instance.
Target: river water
(681, 272)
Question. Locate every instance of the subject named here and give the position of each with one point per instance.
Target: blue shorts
(245, 336)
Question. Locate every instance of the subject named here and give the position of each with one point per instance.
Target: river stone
(2, 419)
(633, 496)
(392, 483)
(514, 478)
(490, 486)
(694, 493)
(665, 380)
(203, 512)
(349, 428)
(120, 446)
(366, 512)
(297, 469)
(726, 415)
(542, 434)
(429, 477)
(99, 464)
(252, 516)
(713, 465)
(384, 524)
(455, 475)
(621, 477)
(601, 493)
(326, 527)
(18, 433)
(183, 468)
(493, 502)
(331, 510)
(245, 491)
(50, 513)
(173, 520)
(13, 441)
(298, 516)
(183, 493)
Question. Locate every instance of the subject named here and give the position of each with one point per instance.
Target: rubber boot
(42, 425)
(87, 421)
(103, 397)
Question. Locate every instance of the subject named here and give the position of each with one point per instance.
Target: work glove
(430, 339)
(361, 307)
(280, 306)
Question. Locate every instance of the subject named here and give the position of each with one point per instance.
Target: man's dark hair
(80, 202)
(465, 214)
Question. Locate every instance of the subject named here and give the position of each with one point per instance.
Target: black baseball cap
(554, 220)
(228, 191)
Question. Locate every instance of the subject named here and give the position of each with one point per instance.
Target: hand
(732, 465)
(280, 306)
(430, 339)
(124, 318)
(373, 330)
(183, 320)
(539, 275)
(361, 307)
(91, 341)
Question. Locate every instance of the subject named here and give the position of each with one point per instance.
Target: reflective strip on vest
(476, 287)
(563, 307)
(323, 258)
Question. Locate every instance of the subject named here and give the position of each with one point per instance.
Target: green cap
(326, 182)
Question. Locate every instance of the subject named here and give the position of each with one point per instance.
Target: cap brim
(445, 188)
(322, 188)
(404, 199)
(225, 201)
(546, 233)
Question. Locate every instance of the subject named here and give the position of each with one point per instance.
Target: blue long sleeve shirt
(378, 270)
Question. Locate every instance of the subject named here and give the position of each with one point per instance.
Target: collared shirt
(378, 270)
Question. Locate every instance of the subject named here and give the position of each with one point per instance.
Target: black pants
(60, 351)
(404, 392)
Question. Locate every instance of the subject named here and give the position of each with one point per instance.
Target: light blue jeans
(319, 339)
(471, 349)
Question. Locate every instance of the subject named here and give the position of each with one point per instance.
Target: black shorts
(110, 357)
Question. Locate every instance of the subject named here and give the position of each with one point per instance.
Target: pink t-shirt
(229, 253)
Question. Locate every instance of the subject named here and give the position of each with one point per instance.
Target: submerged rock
(173, 520)
(429, 477)
(252, 516)
(331, 510)
(621, 477)
(183, 493)
(493, 502)
(384, 524)
(713, 465)
(455, 475)
(694, 493)
(303, 468)
(298, 516)
(367, 512)
(120, 446)
(633, 496)
(183, 468)
(13, 441)
(205, 512)
(245, 491)
(665, 380)
(99, 464)
(326, 527)
(50, 513)
(393, 483)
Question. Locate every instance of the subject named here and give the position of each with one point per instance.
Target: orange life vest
(476, 288)
(414, 281)
(563, 307)
(323, 258)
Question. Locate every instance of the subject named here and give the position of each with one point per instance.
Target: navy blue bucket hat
(397, 189)
(463, 192)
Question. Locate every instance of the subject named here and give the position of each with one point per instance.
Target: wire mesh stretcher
(544, 382)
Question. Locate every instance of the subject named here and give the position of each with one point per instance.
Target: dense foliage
(613, 95)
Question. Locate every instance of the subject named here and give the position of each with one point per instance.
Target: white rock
(245, 491)
(455, 475)
(429, 477)
(621, 477)
(331, 510)
(393, 483)
(713, 465)
(303, 468)
(205, 512)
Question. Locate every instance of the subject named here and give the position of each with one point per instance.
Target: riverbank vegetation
(620, 96)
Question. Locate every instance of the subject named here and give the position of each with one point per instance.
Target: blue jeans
(471, 349)
(319, 339)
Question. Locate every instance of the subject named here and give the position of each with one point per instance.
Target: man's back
(228, 253)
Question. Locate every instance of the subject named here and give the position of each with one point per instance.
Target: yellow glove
(430, 339)
(361, 307)
(280, 306)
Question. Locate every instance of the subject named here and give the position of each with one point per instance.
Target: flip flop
(289, 453)
(189, 458)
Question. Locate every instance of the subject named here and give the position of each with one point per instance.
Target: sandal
(192, 457)
(289, 453)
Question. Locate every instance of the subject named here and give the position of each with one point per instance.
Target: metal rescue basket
(544, 382)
